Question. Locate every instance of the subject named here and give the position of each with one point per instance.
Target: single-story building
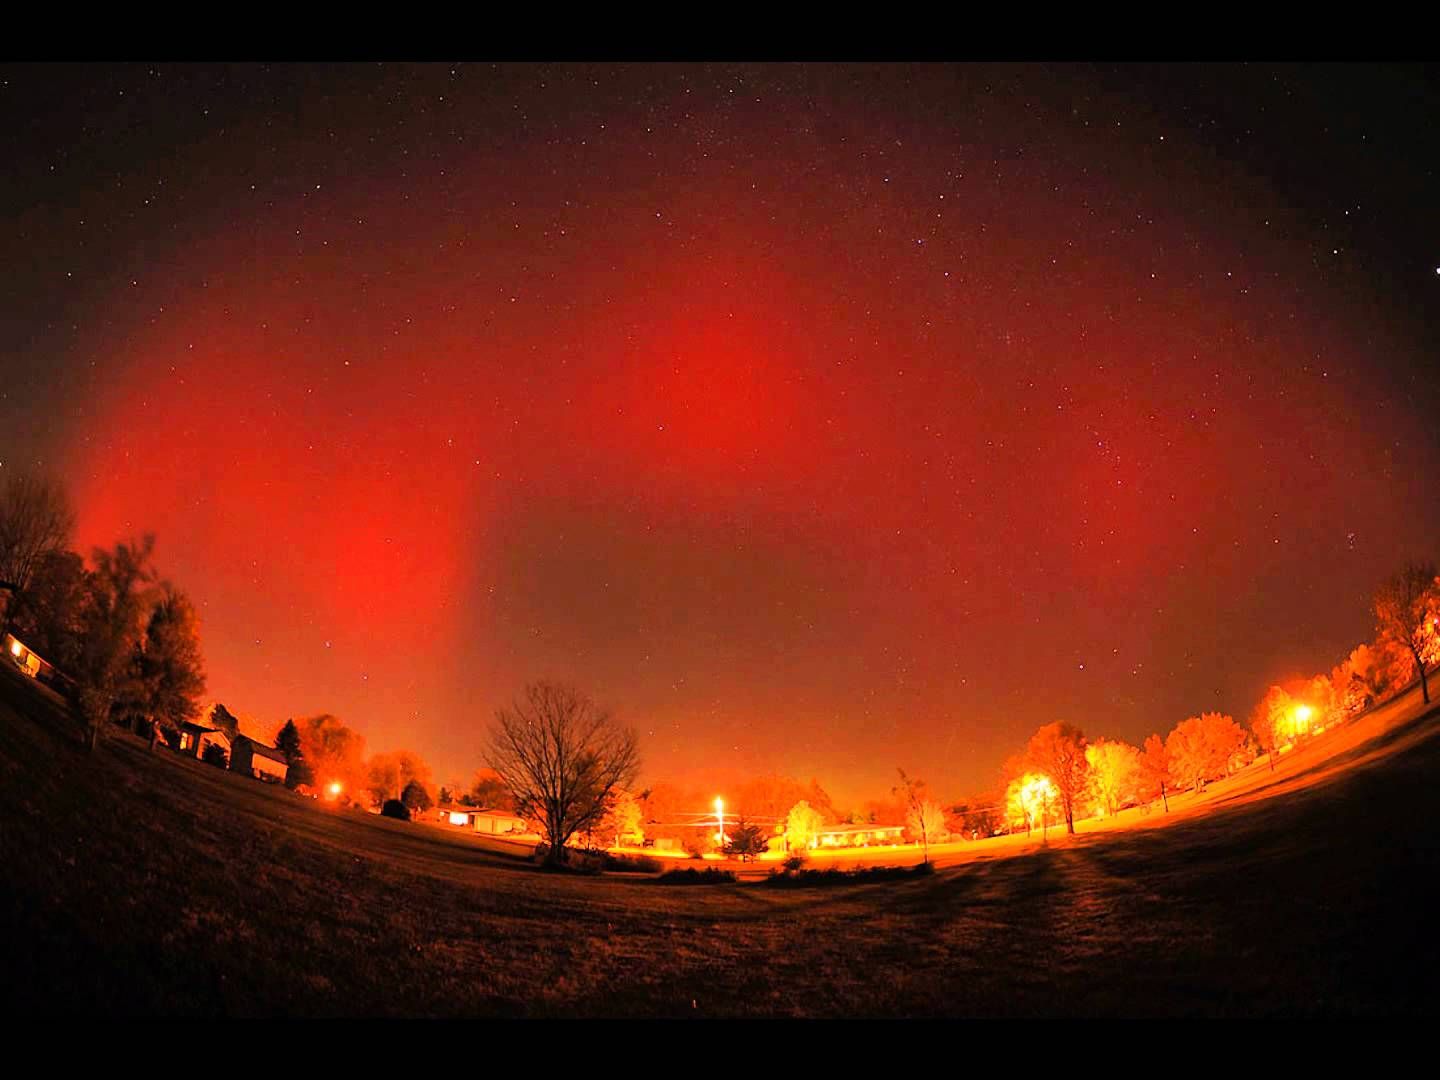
(491, 822)
(194, 738)
(27, 660)
(449, 814)
(834, 836)
(260, 761)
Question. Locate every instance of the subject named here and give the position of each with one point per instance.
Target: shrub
(690, 876)
(696, 848)
(394, 808)
(794, 862)
(591, 860)
(585, 862)
(215, 755)
(631, 864)
(860, 875)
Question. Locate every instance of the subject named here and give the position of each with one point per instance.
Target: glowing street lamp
(334, 789)
(719, 820)
(1302, 718)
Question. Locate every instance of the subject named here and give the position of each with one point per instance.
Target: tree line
(123, 640)
(125, 643)
(1061, 773)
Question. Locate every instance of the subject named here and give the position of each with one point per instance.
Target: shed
(260, 761)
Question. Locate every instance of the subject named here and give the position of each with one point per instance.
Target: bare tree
(922, 814)
(1407, 610)
(35, 520)
(561, 756)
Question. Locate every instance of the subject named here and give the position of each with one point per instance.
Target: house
(490, 822)
(858, 835)
(260, 761)
(450, 814)
(27, 660)
(194, 738)
(498, 822)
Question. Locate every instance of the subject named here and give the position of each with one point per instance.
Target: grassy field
(142, 883)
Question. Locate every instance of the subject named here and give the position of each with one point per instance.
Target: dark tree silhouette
(561, 756)
(222, 719)
(745, 841)
(47, 615)
(488, 791)
(1407, 614)
(215, 755)
(416, 798)
(171, 669)
(288, 743)
(35, 521)
(117, 596)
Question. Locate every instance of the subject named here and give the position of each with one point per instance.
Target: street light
(1302, 718)
(719, 820)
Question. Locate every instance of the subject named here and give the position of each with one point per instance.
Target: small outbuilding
(260, 761)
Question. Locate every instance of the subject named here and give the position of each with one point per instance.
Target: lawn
(142, 883)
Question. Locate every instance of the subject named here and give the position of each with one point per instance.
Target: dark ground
(140, 883)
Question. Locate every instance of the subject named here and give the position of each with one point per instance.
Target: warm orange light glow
(334, 789)
(1031, 799)
(17, 648)
(1300, 719)
(719, 820)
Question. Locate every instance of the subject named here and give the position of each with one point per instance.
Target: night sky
(818, 419)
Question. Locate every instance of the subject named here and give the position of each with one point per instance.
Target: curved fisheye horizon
(793, 459)
(763, 398)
